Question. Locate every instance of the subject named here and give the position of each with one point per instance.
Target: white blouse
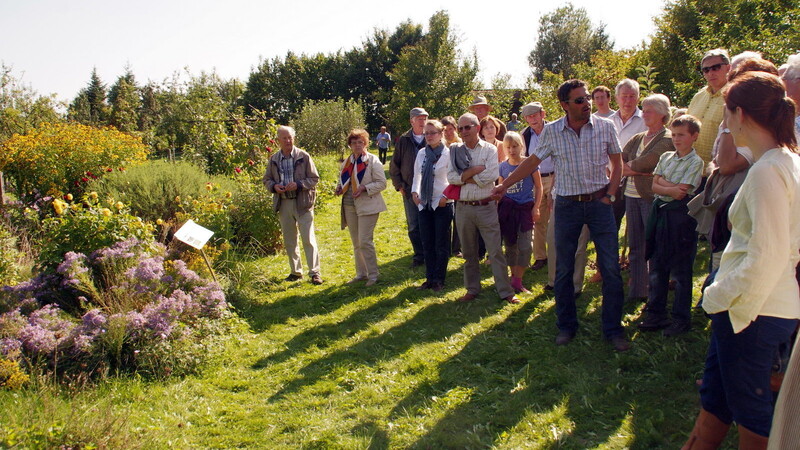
(440, 169)
(757, 273)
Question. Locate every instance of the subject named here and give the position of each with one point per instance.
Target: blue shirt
(580, 161)
(521, 191)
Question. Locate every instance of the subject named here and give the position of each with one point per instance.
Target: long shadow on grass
(261, 313)
(514, 368)
(425, 326)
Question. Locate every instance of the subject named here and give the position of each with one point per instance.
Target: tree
(566, 37)
(689, 28)
(323, 125)
(21, 108)
(90, 107)
(431, 74)
(125, 100)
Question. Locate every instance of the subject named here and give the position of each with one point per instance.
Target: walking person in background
(435, 210)
(754, 302)
(382, 141)
(361, 181)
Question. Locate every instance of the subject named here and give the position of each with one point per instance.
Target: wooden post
(209, 265)
(2, 190)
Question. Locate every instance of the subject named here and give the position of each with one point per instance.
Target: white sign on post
(193, 234)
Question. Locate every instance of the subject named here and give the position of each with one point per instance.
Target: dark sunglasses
(466, 127)
(713, 68)
(581, 100)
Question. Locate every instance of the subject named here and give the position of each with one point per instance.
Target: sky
(53, 45)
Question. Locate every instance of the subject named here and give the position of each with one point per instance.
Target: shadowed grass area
(389, 366)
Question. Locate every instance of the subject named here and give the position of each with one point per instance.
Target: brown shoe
(316, 279)
(564, 337)
(512, 299)
(466, 298)
(538, 264)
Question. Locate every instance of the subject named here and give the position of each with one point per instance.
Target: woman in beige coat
(361, 181)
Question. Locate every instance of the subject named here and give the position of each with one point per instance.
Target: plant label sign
(193, 234)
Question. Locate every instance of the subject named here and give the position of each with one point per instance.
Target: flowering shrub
(55, 157)
(87, 226)
(122, 308)
(8, 256)
(11, 375)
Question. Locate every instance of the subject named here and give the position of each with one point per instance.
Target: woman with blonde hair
(361, 181)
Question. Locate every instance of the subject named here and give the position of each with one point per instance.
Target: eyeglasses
(713, 68)
(431, 133)
(466, 127)
(581, 100)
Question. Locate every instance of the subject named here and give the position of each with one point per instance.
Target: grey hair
(792, 67)
(628, 83)
(472, 118)
(285, 128)
(661, 104)
(721, 52)
(745, 55)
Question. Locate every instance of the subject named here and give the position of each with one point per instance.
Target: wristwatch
(611, 197)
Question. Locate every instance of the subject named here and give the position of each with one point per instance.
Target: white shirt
(484, 154)
(633, 126)
(757, 273)
(440, 169)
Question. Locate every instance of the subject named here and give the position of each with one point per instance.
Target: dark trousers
(382, 154)
(570, 217)
(434, 228)
(674, 250)
(412, 221)
(738, 369)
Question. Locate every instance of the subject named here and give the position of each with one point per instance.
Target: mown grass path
(344, 366)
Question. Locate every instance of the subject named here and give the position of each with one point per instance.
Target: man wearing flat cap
(534, 115)
(401, 170)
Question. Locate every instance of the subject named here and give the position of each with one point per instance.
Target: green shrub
(86, 227)
(255, 225)
(150, 190)
(323, 125)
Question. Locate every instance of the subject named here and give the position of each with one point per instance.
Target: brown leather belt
(483, 202)
(587, 197)
(546, 174)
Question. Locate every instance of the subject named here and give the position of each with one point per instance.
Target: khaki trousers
(472, 220)
(362, 229)
(540, 241)
(290, 221)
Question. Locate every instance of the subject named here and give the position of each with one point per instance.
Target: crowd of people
(725, 170)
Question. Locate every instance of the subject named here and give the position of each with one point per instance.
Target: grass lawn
(340, 366)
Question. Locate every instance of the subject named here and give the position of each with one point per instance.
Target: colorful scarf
(351, 165)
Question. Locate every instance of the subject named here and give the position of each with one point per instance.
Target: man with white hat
(481, 108)
(401, 170)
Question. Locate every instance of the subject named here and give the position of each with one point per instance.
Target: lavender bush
(125, 308)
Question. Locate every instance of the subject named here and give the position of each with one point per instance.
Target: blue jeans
(412, 220)
(434, 226)
(738, 369)
(570, 216)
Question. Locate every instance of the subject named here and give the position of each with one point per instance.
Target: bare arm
(616, 173)
(538, 192)
(728, 159)
(664, 187)
(523, 170)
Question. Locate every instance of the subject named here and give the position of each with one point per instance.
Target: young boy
(517, 211)
(671, 235)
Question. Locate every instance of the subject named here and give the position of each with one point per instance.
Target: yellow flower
(177, 199)
(58, 206)
(228, 195)
(209, 186)
(68, 197)
(119, 205)
(106, 212)
(93, 195)
(159, 222)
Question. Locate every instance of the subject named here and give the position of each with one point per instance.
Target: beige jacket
(371, 201)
